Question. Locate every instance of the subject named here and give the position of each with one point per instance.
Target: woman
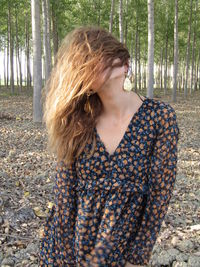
(116, 153)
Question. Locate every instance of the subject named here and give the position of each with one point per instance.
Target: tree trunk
(112, 10)
(8, 48)
(161, 70)
(188, 51)
(4, 64)
(196, 77)
(192, 71)
(121, 21)
(17, 52)
(183, 75)
(136, 50)
(145, 75)
(28, 74)
(49, 35)
(192, 80)
(150, 71)
(131, 60)
(139, 62)
(37, 64)
(165, 71)
(17, 69)
(11, 49)
(55, 30)
(126, 23)
(198, 72)
(175, 71)
(46, 38)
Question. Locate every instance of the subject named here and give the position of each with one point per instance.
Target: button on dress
(109, 208)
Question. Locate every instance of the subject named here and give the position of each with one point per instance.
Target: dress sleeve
(57, 244)
(161, 180)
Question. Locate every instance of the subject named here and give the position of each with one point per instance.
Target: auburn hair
(69, 114)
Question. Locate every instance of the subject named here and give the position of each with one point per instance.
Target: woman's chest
(126, 167)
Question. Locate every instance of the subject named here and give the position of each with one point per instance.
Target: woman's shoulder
(165, 117)
(162, 115)
(161, 108)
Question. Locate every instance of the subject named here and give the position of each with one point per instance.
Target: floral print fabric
(109, 208)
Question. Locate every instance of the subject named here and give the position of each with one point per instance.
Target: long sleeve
(57, 242)
(161, 180)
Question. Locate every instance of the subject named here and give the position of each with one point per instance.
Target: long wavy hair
(69, 113)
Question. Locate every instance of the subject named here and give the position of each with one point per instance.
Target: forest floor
(27, 174)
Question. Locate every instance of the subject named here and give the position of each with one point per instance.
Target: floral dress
(109, 208)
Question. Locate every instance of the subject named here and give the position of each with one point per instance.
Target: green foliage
(73, 13)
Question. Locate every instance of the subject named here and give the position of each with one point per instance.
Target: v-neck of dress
(125, 133)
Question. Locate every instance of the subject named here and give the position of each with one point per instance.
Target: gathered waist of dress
(108, 185)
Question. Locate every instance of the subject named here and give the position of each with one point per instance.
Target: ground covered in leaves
(27, 173)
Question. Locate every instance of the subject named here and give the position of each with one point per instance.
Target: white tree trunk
(198, 72)
(150, 68)
(121, 20)
(193, 73)
(18, 58)
(4, 64)
(131, 59)
(166, 64)
(139, 63)
(126, 23)
(161, 69)
(28, 72)
(188, 51)
(46, 37)
(136, 53)
(11, 49)
(175, 70)
(37, 64)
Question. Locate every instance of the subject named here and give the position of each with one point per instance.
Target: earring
(87, 106)
(89, 93)
(127, 84)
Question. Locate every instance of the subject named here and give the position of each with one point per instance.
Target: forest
(127, 20)
(163, 38)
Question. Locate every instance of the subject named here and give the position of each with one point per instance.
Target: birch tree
(193, 73)
(175, 70)
(150, 67)
(46, 37)
(121, 21)
(11, 47)
(37, 63)
(188, 51)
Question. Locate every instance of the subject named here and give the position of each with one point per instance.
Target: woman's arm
(161, 179)
(57, 242)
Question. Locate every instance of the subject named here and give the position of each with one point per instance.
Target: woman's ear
(126, 66)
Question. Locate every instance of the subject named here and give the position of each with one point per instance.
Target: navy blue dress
(109, 208)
